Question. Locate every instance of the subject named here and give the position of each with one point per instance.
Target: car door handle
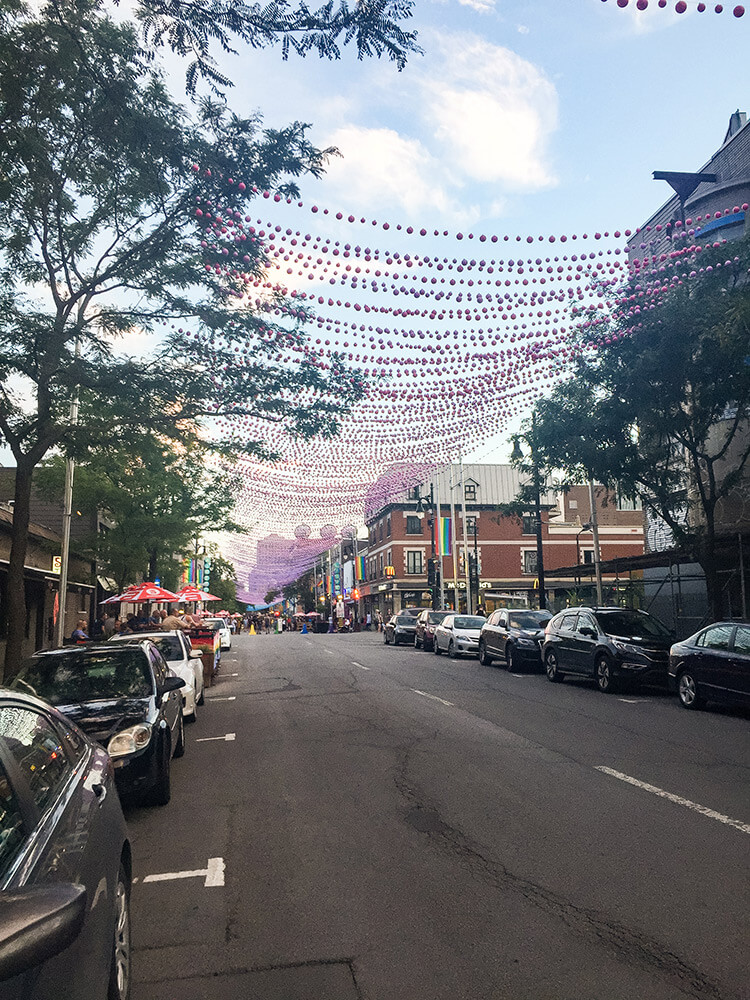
(100, 791)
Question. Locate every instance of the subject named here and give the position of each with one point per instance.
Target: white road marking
(234, 675)
(331, 651)
(633, 701)
(209, 739)
(213, 874)
(434, 697)
(520, 675)
(361, 667)
(211, 697)
(677, 799)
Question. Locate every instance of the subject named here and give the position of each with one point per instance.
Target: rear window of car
(435, 617)
(742, 640)
(71, 676)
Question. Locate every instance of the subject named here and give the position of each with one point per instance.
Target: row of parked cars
(615, 647)
(80, 729)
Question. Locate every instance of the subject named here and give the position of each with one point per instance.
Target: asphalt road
(364, 821)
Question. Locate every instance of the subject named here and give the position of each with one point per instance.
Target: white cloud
(494, 112)
(380, 167)
(522, 29)
(483, 6)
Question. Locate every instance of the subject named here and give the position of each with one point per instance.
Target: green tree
(158, 499)
(658, 400)
(100, 236)
(224, 582)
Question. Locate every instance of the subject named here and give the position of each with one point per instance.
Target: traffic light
(355, 594)
(432, 572)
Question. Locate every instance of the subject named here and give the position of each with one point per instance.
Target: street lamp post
(428, 504)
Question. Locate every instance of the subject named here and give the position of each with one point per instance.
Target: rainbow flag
(359, 568)
(444, 537)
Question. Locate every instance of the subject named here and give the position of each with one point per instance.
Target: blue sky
(521, 118)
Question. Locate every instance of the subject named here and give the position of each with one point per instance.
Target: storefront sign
(56, 564)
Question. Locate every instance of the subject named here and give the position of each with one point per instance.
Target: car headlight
(462, 636)
(625, 647)
(525, 642)
(129, 740)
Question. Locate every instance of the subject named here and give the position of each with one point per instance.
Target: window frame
(411, 556)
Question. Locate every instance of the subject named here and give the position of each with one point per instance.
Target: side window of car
(742, 640)
(568, 623)
(586, 621)
(502, 620)
(158, 665)
(718, 637)
(38, 750)
(12, 831)
(71, 739)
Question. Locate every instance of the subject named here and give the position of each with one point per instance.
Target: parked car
(611, 645)
(712, 665)
(400, 628)
(123, 695)
(457, 634)
(425, 628)
(65, 861)
(514, 636)
(222, 626)
(183, 660)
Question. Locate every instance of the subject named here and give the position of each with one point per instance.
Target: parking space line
(677, 799)
(633, 701)
(209, 739)
(213, 874)
(360, 665)
(212, 697)
(433, 697)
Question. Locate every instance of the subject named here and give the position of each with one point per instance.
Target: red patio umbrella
(190, 593)
(142, 593)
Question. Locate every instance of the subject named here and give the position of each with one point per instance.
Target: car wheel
(202, 695)
(511, 659)
(119, 975)
(604, 677)
(452, 651)
(484, 658)
(435, 648)
(416, 643)
(687, 691)
(161, 792)
(550, 665)
(179, 749)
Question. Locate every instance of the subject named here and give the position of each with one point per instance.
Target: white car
(221, 626)
(185, 661)
(458, 634)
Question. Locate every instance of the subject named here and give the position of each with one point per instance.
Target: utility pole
(451, 484)
(67, 518)
(439, 545)
(597, 553)
(464, 532)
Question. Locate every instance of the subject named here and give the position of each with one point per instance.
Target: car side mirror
(38, 923)
(171, 684)
(195, 654)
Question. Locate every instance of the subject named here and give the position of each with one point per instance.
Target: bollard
(304, 628)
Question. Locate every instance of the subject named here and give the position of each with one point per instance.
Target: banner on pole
(444, 537)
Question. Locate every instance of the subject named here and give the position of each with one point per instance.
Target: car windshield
(435, 617)
(528, 619)
(68, 678)
(468, 621)
(632, 625)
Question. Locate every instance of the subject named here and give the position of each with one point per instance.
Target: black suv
(609, 644)
(514, 636)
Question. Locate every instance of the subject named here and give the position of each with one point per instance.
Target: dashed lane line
(213, 697)
(228, 738)
(433, 697)
(213, 874)
(677, 799)
(360, 665)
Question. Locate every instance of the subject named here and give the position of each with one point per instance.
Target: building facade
(403, 538)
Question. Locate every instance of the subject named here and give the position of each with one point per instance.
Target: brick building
(402, 541)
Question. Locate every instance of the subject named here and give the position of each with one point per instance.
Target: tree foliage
(158, 501)
(194, 29)
(100, 174)
(658, 400)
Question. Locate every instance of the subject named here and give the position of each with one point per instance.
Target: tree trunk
(16, 580)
